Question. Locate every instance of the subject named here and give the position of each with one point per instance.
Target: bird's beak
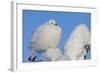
(87, 47)
(56, 24)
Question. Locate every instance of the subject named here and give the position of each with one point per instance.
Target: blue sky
(32, 19)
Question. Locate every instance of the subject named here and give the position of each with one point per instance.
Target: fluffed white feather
(53, 54)
(74, 47)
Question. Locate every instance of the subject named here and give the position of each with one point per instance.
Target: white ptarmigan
(78, 44)
(45, 37)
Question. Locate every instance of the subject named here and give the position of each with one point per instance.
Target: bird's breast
(49, 37)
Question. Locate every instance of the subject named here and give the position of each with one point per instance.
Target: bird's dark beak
(56, 24)
(87, 47)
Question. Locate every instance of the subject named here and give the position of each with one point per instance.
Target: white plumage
(46, 36)
(53, 54)
(75, 46)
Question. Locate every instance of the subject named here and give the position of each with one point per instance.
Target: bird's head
(52, 22)
(87, 48)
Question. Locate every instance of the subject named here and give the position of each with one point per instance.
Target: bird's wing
(35, 36)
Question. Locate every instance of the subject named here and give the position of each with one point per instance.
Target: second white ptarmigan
(78, 44)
